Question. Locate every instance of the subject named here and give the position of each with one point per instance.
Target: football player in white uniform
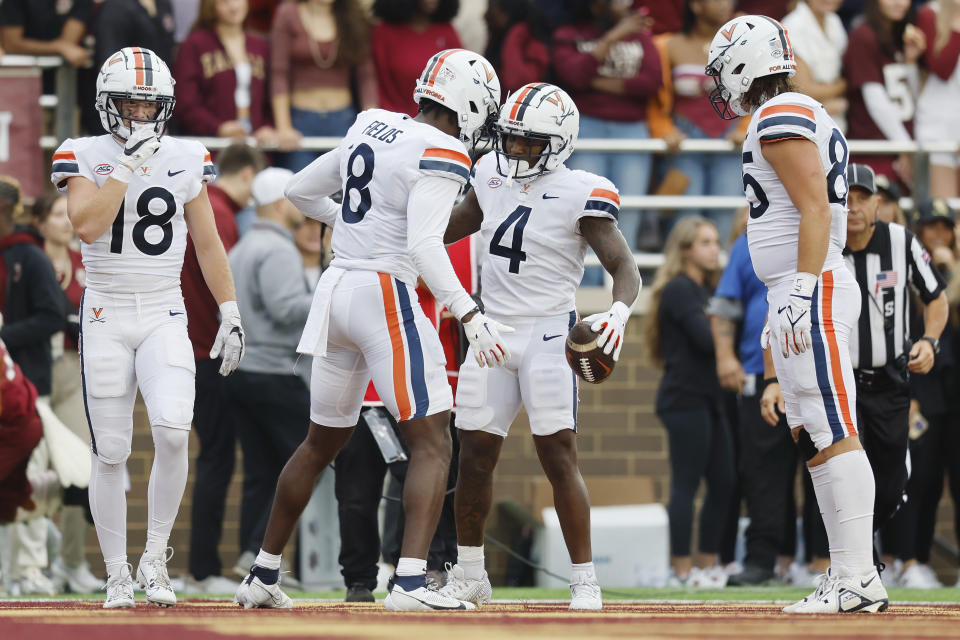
(794, 176)
(400, 177)
(132, 196)
(536, 218)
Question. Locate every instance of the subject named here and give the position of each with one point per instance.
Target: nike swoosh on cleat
(173, 173)
(546, 197)
(438, 607)
(546, 337)
(866, 584)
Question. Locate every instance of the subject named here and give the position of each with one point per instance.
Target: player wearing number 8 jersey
(400, 177)
(794, 177)
(132, 196)
(535, 219)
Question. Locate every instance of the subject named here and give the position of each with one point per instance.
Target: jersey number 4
(147, 220)
(514, 253)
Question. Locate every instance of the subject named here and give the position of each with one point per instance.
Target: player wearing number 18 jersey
(794, 177)
(132, 196)
(400, 177)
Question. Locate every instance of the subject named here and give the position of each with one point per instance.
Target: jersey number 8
(147, 220)
(357, 182)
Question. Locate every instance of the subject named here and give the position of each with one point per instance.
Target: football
(584, 356)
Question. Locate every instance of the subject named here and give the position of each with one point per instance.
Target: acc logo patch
(493, 183)
(103, 169)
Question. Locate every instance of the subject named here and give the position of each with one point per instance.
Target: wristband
(767, 382)
(121, 173)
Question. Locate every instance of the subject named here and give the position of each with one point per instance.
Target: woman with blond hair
(688, 400)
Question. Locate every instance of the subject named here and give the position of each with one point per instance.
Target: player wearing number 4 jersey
(132, 196)
(399, 177)
(536, 217)
(794, 177)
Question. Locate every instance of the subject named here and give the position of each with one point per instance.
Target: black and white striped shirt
(893, 259)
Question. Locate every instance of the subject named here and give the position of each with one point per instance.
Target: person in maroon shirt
(880, 65)
(213, 423)
(608, 63)
(409, 33)
(775, 9)
(517, 43)
(221, 73)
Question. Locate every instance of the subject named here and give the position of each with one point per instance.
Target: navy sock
(267, 576)
(409, 583)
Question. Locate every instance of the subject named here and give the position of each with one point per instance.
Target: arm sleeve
(603, 201)
(280, 46)
(924, 276)
(285, 296)
(884, 112)
(648, 79)
(684, 309)
(574, 68)
(429, 206)
(195, 118)
(309, 188)
(944, 61)
(47, 314)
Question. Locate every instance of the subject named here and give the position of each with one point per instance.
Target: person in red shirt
(880, 65)
(20, 432)
(409, 32)
(213, 423)
(517, 42)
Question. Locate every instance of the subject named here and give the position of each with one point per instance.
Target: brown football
(584, 356)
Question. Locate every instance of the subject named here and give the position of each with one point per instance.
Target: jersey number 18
(147, 220)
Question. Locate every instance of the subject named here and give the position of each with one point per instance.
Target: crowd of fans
(278, 71)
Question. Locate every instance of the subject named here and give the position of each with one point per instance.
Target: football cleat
(120, 590)
(459, 587)
(585, 595)
(155, 581)
(849, 594)
(253, 593)
(417, 597)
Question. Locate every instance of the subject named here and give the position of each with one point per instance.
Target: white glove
(483, 333)
(765, 336)
(229, 338)
(795, 320)
(141, 144)
(611, 326)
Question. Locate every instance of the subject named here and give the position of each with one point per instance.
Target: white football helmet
(464, 82)
(541, 112)
(134, 73)
(744, 49)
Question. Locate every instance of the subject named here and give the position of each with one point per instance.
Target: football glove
(229, 340)
(611, 326)
(483, 333)
(765, 336)
(795, 322)
(141, 144)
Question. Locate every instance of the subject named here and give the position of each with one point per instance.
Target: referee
(888, 262)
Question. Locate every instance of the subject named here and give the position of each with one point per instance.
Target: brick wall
(619, 435)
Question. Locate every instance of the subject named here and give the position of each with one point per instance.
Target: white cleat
(155, 581)
(254, 594)
(422, 599)
(849, 594)
(824, 582)
(120, 590)
(585, 596)
(459, 587)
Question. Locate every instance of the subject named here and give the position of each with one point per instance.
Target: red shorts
(17, 442)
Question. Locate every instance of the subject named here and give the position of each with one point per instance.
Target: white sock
(820, 477)
(411, 567)
(851, 553)
(108, 504)
(268, 560)
(168, 477)
(585, 571)
(470, 560)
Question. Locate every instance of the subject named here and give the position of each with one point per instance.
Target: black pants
(213, 423)
(728, 540)
(272, 416)
(882, 418)
(768, 467)
(699, 447)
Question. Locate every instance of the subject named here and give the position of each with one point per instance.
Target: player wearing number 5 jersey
(133, 195)
(536, 218)
(399, 177)
(794, 177)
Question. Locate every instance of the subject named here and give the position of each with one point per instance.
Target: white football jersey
(143, 249)
(531, 251)
(774, 222)
(382, 157)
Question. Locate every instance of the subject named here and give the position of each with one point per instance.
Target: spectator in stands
(938, 119)
(221, 76)
(49, 218)
(213, 418)
(261, 16)
(309, 239)
(135, 23)
(271, 403)
(517, 43)
(46, 27)
(409, 32)
(819, 41)
(688, 399)
(608, 63)
(889, 209)
(666, 15)
(681, 110)
(318, 48)
(880, 66)
(185, 14)
(775, 9)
